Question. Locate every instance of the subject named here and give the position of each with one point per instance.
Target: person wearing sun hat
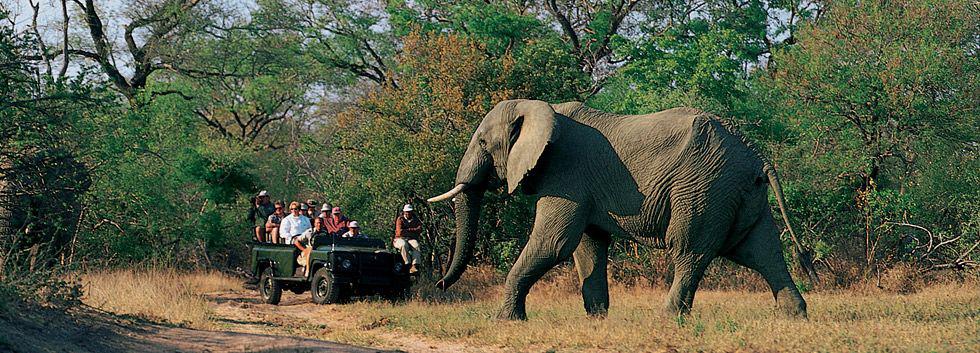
(354, 232)
(408, 229)
(263, 209)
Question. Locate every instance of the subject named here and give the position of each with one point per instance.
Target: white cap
(353, 224)
(303, 206)
(325, 208)
(408, 207)
(263, 193)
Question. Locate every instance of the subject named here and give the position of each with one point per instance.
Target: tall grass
(158, 294)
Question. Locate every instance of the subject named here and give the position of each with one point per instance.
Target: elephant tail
(803, 256)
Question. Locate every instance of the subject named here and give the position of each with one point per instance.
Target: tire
(323, 289)
(269, 288)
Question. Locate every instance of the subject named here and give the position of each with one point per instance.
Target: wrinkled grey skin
(677, 179)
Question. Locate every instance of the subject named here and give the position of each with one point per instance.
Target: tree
(880, 93)
(43, 126)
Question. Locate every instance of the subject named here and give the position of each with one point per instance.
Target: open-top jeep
(339, 268)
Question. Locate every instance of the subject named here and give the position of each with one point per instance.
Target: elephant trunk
(467, 217)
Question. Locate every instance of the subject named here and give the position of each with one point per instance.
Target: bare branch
(64, 50)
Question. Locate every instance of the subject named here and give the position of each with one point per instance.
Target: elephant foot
(676, 308)
(597, 311)
(790, 302)
(512, 315)
(597, 314)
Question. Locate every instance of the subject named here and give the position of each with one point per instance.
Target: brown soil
(243, 311)
(31, 329)
(241, 322)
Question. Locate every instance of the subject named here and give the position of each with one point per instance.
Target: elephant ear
(534, 128)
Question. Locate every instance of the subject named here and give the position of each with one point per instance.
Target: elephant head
(507, 145)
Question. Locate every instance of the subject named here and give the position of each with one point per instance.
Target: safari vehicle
(339, 269)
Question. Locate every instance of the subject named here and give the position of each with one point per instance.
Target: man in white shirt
(294, 224)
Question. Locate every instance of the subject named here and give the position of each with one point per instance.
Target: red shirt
(336, 226)
(408, 228)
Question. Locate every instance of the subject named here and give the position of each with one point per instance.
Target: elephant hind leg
(695, 239)
(761, 250)
(591, 258)
(688, 270)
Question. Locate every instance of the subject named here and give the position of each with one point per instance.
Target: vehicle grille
(376, 263)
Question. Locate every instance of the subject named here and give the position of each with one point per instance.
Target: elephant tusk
(448, 194)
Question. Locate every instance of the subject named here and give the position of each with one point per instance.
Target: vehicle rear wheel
(323, 289)
(269, 287)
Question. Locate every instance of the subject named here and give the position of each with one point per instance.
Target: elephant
(679, 179)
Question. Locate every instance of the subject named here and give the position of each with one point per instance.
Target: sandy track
(243, 311)
(31, 329)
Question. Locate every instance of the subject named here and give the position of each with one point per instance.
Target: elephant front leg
(591, 258)
(558, 227)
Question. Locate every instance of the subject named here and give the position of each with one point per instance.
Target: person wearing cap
(294, 224)
(408, 229)
(354, 232)
(311, 212)
(337, 223)
(263, 209)
(274, 221)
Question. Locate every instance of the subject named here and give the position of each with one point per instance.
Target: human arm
(416, 228)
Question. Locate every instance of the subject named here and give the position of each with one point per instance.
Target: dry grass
(940, 318)
(158, 294)
(937, 318)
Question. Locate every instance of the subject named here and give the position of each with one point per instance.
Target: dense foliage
(148, 149)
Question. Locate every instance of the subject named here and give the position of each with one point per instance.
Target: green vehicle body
(339, 268)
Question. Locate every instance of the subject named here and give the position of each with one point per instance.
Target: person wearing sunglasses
(294, 224)
(274, 221)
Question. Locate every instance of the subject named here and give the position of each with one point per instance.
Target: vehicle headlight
(345, 264)
(398, 266)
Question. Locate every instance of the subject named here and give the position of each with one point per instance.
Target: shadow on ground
(25, 328)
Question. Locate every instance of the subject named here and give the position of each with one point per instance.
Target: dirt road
(243, 311)
(240, 322)
(83, 329)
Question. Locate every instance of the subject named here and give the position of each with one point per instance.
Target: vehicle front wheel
(269, 287)
(323, 289)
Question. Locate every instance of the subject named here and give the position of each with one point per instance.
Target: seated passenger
(263, 208)
(408, 229)
(294, 224)
(354, 232)
(302, 242)
(272, 223)
(311, 212)
(324, 214)
(337, 224)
